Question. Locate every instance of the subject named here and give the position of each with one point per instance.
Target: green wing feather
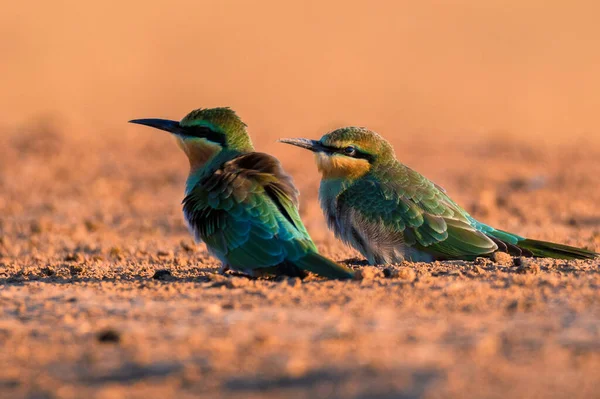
(247, 214)
(401, 207)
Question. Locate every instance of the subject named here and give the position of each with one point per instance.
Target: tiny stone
(520, 305)
(573, 222)
(36, 227)
(264, 339)
(48, 271)
(406, 273)
(163, 275)
(76, 269)
(502, 258)
(187, 246)
(73, 257)
(368, 273)
(513, 306)
(520, 261)
(482, 261)
(109, 336)
(527, 266)
(295, 282)
(91, 226)
(115, 252)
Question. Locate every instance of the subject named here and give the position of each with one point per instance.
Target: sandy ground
(103, 294)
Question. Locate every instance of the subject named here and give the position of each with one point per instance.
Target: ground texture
(103, 294)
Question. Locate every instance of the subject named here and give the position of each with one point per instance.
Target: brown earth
(495, 100)
(87, 224)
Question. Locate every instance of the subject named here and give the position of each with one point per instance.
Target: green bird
(390, 213)
(240, 202)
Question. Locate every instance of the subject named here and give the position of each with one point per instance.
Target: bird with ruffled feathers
(390, 213)
(240, 202)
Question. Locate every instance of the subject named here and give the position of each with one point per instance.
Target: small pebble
(475, 272)
(163, 275)
(406, 273)
(116, 252)
(368, 273)
(482, 261)
(73, 257)
(187, 246)
(527, 266)
(108, 336)
(294, 282)
(91, 226)
(502, 258)
(36, 227)
(75, 269)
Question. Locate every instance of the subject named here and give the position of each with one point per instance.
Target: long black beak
(162, 124)
(312, 145)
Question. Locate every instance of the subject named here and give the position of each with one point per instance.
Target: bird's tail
(318, 264)
(519, 246)
(545, 249)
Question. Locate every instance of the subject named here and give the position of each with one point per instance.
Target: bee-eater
(240, 202)
(390, 213)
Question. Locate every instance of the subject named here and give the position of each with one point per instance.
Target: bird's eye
(349, 150)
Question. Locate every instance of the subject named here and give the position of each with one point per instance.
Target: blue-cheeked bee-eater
(240, 202)
(390, 213)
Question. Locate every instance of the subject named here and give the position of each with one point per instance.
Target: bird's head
(349, 152)
(203, 133)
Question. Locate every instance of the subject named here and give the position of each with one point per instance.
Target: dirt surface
(103, 294)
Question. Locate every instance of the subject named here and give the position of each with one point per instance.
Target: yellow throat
(338, 166)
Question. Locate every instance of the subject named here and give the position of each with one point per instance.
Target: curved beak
(312, 145)
(162, 124)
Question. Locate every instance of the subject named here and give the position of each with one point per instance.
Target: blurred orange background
(404, 68)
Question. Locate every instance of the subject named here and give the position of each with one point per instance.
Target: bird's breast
(329, 191)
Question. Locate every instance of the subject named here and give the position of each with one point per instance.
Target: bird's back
(245, 209)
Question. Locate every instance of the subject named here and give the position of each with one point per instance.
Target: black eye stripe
(363, 155)
(205, 132)
(357, 152)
